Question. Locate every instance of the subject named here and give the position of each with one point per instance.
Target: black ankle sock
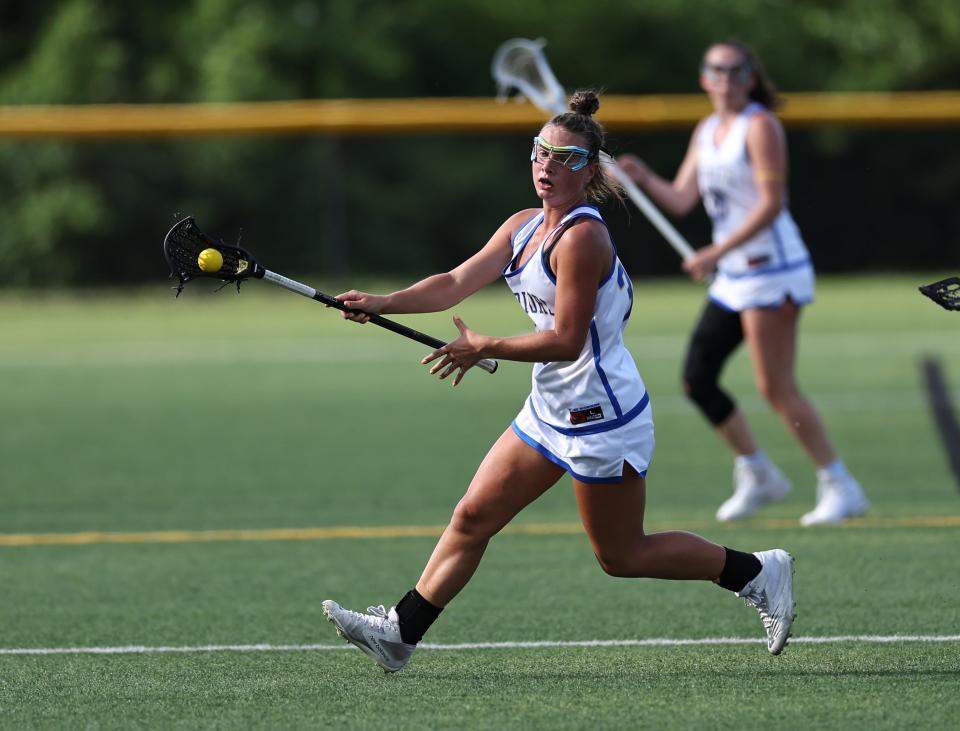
(416, 615)
(740, 568)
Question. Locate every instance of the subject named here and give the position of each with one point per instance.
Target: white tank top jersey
(726, 182)
(602, 389)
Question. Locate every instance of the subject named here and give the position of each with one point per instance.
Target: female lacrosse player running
(588, 412)
(737, 162)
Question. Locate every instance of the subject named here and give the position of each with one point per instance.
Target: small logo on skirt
(586, 413)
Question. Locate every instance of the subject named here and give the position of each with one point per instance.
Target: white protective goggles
(570, 156)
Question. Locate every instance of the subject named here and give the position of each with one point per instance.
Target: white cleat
(753, 486)
(837, 500)
(377, 633)
(771, 594)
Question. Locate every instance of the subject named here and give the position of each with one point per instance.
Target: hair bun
(584, 102)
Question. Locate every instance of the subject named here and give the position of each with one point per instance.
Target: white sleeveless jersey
(602, 389)
(726, 182)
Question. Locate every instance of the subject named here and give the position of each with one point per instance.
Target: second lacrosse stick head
(945, 293)
(520, 64)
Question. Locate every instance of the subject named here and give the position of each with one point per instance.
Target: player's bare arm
(440, 292)
(677, 197)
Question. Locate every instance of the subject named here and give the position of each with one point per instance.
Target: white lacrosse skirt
(764, 289)
(592, 458)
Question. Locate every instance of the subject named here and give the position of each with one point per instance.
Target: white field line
(532, 645)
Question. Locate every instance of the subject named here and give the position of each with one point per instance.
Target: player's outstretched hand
(460, 355)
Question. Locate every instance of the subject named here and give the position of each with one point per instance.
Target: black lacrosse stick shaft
(315, 294)
(490, 366)
(382, 322)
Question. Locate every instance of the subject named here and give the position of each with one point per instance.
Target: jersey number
(716, 204)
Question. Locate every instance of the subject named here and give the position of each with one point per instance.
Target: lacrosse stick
(521, 64)
(185, 245)
(945, 293)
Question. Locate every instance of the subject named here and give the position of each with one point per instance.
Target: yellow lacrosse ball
(210, 261)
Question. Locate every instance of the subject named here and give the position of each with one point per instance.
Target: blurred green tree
(94, 212)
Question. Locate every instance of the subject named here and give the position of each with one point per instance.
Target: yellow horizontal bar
(450, 115)
(342, 116)
(861, 109)
(416, 531)
(874, 109)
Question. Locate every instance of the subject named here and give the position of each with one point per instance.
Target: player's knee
(771, 395)
(767, 389)
(471, 520)
(703, 390)
(698, 377)
(778, 393)
(610, 565)
(615, 563)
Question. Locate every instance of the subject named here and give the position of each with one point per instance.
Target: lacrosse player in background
(588, 412)
(737, 163)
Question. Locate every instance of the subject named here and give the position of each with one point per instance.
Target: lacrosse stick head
(520, 65)
(945, 293)
(183, 245)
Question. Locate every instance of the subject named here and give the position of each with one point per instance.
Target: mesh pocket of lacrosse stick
(520, 64)
(182, 246)
(945, 293)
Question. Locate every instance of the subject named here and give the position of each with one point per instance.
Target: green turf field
(202, 472)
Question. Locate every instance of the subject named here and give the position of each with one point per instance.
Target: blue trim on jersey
(573, 215)
(594, 206)
(517, 253)
(581, 431)
(527, 223)
(616, 258)
(560, 463)
(622, 277)
(595, 341)
(545, 264)
(768, 270)
(613, 268)
(507, 275)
